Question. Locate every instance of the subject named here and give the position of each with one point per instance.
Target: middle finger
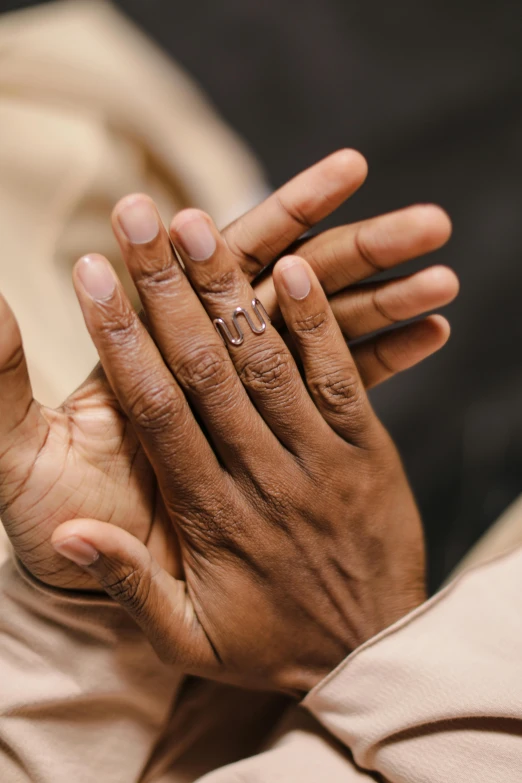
(260, 355)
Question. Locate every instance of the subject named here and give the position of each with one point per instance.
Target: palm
(80, 460)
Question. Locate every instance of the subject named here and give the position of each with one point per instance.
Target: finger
(23, 428)
(330, 371)
(124, 568)
(388, 354)
(16, 396)
(349, 254)
(377, 306)
(179, 453)
(261, 358)
(257, 238)
(184, 334)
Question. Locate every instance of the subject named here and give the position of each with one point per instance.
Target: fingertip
(130, 200)
(439, 327)
(94, 275)
(11, 351)
(6, 314)
(436, 218)
(442, 282)
(421, 339)
(296, 277)
(103, 537)
(77, 550)
(188, 215)
(89, 258)
(351, 161)
(71, 529)
(135, 218)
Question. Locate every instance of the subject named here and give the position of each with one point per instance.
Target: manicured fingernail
(139, 220)
(196, 238)
(77, 550)
(296, 279)
(96, 276)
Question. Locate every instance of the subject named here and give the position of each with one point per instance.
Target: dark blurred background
(431, 93)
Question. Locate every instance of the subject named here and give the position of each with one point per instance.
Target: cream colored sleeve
(82, 695)
(437, 698)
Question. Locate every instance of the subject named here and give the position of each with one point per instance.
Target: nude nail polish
(139, 220)
(77, 550)
(196, 238)
(296, 278)
(96, 276)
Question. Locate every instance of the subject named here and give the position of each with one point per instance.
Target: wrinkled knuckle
(207, 372)
(311, 326)
(213, 526)
(266, 370)
(337, 393)
(130, 587)
(154, 277)
(118, 326)
(153, 408)
(219, 287)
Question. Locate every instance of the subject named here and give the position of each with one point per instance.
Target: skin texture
(84, 458)
(298, 534)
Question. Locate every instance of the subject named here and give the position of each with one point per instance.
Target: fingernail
(196, 238)
(77, 550)
(139, 221)
(96, 276)
(296, 279)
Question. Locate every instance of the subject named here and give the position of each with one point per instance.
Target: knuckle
(118, 325)
(213, 526)
(338, 392)
(129, 586)
(266, 370)
(312, 325)
(153, 407)
(221, 286)
(157, 276)
(207, 372)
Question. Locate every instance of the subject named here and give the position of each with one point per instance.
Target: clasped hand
(281, 532)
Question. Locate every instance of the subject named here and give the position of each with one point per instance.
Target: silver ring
(225, 333)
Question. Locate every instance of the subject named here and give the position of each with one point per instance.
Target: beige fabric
(82, 695)
(90, 110)
(437, 698)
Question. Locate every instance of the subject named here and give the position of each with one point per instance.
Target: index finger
(259, 237)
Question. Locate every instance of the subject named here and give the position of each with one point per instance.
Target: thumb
(16, 394)
(126, 570)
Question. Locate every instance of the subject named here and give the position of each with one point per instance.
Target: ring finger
(260, 355)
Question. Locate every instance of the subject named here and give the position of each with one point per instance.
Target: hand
(298, 533)
(84, 460)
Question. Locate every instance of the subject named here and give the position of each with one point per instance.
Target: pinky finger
(381, 357)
